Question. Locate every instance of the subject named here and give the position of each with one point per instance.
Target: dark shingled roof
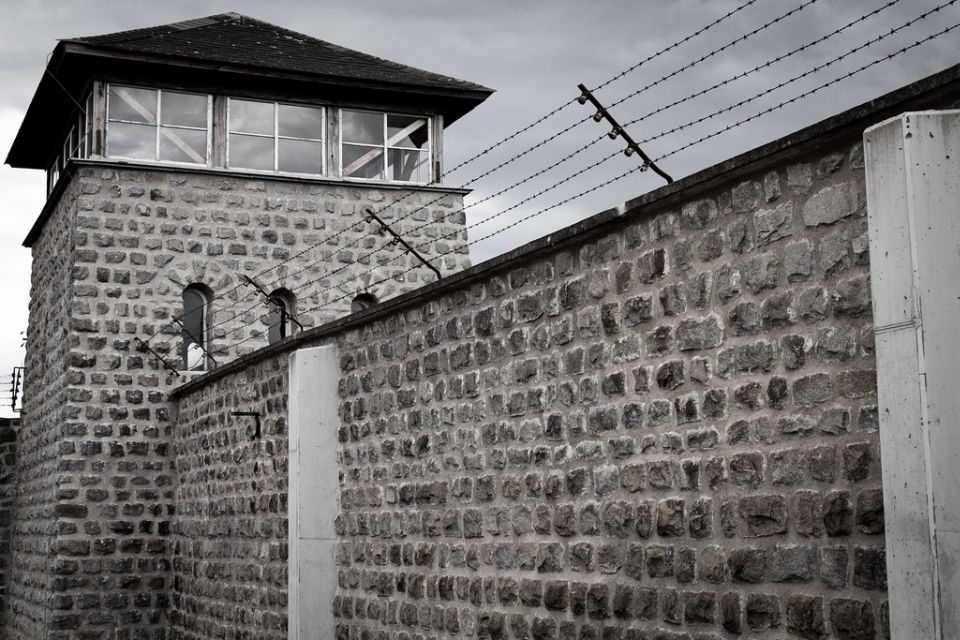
(237, 39)
(234, 55)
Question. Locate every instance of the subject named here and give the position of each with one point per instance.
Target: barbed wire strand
(495, 145)
(801, 76)
(676, 72)
(785, 103)
(805, 94)
(713, 53)
(768, 63)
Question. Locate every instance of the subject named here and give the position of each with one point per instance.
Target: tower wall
(98, 482)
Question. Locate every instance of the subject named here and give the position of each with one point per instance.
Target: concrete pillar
(313, 494)
(913, 204)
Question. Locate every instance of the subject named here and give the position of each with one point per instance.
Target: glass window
(280, 320)
(153, 124)
(194, 324)
(268, 136)
(386, 146)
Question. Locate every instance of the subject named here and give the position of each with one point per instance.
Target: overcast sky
(533, 53)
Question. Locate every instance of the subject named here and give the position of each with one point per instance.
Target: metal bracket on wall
(250, 414)
(632, 147)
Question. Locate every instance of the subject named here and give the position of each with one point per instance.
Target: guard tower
(208, 183)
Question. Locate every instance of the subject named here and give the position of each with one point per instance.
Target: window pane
(183, 145)
(406, 131)
(277, 321)
(184, 109)
(247, 116)
(249, 152)
(362, 162)
(410, 166)
(359, 126)
(194, 328)
(133, 105)
(300, 122)
(300, 156)
(138, 141)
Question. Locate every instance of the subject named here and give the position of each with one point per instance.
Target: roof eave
(478, 92)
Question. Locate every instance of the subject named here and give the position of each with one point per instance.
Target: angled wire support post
(266, 296)
(371, 214)
(183, 327)
(632, 147)
(163, 361)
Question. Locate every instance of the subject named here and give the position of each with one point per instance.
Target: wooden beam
(373, 153)
(149, 117)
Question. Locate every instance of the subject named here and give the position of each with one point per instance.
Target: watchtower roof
(233, 52)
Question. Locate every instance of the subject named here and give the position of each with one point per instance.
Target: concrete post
(313, 493)
(913, 204)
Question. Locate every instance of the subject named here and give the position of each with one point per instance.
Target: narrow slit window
(194, 333)
(158, 125)
(280, 318)
(385, 146)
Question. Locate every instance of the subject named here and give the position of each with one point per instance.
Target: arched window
(280, 315)
(363, 301)
(195, 321)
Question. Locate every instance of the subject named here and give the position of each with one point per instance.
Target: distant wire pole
(632, 147)
(15, 387)
(399, 240)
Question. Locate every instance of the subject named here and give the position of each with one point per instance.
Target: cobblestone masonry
(35, 573)
(667, 432)
(8, 457)
(98, 482)
(230, 534)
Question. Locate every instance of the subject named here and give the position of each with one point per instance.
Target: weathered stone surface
(762, 516)
(694, 334)
(830, 204)
(668, 426)
(774, 224)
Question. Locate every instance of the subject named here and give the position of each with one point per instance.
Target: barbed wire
(676, 44)
(690, 144)
(800, 76)
(713, 53)
(326, 304)
(768, 63)
(483, 152)
(676, 72)
(810, 92)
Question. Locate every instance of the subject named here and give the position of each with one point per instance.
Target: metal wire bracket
(632, 147)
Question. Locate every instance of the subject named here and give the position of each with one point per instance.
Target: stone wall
(229, 539)
(8, 458)
(97, 481)
(37, 578)
(665, 430)
(658, 424)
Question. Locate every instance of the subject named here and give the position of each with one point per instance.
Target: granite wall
(97, 479)
(664, 430)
